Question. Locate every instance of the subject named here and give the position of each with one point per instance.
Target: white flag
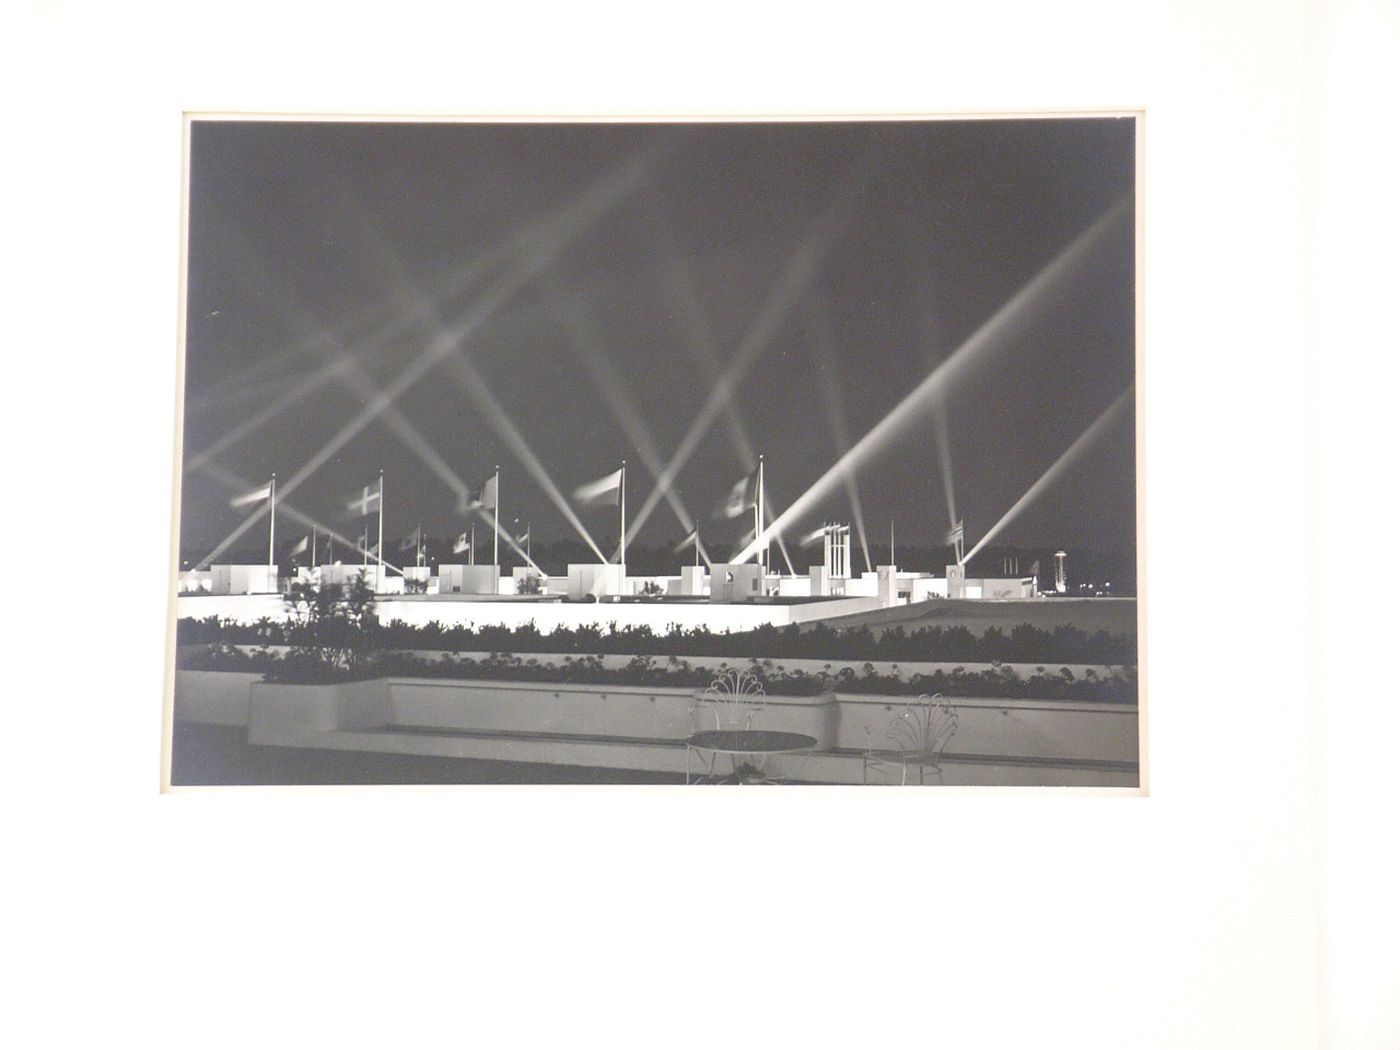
(601, 493)
(813, 538)
(487, 499)
(955, 534)
(462, 544)
(694, 537)
(252, 497)
(300, 548)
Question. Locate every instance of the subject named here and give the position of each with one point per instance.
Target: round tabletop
(751, 741)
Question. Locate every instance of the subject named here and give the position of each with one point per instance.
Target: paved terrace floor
(206, 756)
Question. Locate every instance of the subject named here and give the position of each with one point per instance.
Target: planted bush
(1023, 644)
(674, 673)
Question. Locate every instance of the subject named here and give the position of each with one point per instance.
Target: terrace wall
(990, 731)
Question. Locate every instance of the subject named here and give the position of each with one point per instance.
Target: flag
(412, 540)
(813, 538)
(694, 537)
(1035, 567)
(365, 503)
(955, 534)
(462, 544)
(741, 497)
(523, 537)
(604, 492)
(301, 546)
(486, 499)
(252, 497)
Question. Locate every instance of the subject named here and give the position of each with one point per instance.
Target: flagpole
(622, 501)
(313, 546)
(379, 572)
(471, 551)
(758, 534)
(697, 545)
(272, 520)
(496, 523)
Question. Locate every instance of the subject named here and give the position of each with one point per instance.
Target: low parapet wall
(1073, 735)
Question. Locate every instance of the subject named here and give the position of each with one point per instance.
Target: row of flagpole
(611, 489)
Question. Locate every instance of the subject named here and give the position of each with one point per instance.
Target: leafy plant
(331, 629)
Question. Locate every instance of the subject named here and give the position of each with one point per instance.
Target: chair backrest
(924, 727)
(734, 698)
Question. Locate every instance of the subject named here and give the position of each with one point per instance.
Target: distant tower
(1059, 572)
(838, 551)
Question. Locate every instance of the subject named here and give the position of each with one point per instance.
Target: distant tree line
(1022, 644)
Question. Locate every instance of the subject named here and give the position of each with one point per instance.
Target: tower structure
(837, 551)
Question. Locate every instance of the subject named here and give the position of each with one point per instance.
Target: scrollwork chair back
(919, 734)
(734, 698)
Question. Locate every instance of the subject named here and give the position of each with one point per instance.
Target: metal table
(759, 743)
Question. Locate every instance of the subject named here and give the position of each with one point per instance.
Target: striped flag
(605, 492)
(255, 496)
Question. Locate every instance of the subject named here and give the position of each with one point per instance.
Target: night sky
(607, 268)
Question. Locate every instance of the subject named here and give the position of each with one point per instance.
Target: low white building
(242, 579)
(595, 580)
(469, 579)
(735, 582)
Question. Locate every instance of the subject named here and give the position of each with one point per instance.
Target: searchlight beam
(988, 338)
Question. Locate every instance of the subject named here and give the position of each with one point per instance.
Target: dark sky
(314, 242)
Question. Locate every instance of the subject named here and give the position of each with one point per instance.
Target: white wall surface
(1184, 919)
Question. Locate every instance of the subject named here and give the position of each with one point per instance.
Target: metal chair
(734, 698)
(919, 734)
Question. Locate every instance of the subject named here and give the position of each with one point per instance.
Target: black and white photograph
(753, 452)
(452, 445)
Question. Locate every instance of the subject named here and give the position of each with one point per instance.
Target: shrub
(331, 630)
(1023, 644)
